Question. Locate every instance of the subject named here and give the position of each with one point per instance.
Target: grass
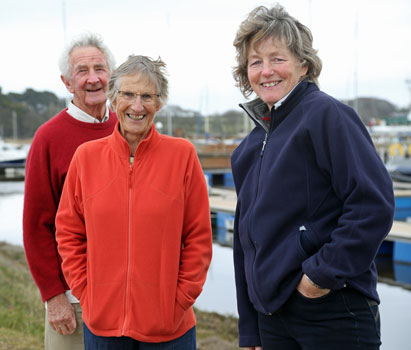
(216, 332)
(22, 311)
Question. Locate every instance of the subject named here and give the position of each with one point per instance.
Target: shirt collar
(82, 116)
(280, 102)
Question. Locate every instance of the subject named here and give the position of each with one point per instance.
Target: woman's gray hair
(153, 70)
(84, 40)
(277, 24)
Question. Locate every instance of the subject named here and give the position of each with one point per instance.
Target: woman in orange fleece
(133, 226)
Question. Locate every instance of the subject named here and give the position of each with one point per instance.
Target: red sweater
(47, 163)
(136, 240)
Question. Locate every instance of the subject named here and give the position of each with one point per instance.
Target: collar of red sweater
(119, 144)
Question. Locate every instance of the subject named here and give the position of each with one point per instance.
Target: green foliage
(31, 108)
(36, 99)
(15, 340)
(21, 308)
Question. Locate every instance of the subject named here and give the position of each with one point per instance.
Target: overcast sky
(194, 38)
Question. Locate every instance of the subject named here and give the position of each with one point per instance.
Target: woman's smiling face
(134, 112)
(273, 70)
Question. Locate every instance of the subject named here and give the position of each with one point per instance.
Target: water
(219, 290)
(11, 212)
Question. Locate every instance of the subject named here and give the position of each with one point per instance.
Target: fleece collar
(258, 110)
(120, 146)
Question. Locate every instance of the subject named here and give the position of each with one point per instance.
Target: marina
(12, 160)
(11, 155)
(393, 260)
(394, 256)
(223, 203)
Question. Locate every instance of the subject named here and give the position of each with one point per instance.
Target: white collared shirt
(82, 116)
(71, 298)
(280, 102)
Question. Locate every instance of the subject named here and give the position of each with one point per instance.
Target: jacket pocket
(316, 299)
(177, 316)
(179, 313)
(373, 305)
(306, 241)
(105, 309)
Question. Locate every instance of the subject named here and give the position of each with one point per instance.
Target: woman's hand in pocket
(309, 289)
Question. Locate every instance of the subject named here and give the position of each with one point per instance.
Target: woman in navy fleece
(314, 200)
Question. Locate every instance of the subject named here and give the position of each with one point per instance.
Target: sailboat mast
(355, 77)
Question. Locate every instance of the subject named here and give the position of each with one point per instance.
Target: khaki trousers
(56, 341)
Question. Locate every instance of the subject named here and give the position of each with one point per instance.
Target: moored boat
(11, 156)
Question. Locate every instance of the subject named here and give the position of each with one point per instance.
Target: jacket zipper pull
(130, 172)
(264, 143)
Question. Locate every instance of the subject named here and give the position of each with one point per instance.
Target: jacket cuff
(249, 341)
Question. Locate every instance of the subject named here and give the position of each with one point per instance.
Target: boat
(12, 156)
(400, 169)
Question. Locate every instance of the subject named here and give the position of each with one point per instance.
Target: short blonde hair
(263, 23)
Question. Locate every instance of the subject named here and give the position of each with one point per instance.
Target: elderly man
(85, 66)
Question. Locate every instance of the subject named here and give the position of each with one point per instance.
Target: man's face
(89, 77)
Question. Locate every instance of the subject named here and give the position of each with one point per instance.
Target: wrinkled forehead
(87, 55)
(140, 80)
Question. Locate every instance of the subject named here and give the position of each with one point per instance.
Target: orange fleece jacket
(135, 240)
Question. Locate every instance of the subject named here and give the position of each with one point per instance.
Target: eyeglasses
(145, 97)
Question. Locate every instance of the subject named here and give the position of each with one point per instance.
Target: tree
(32, 108)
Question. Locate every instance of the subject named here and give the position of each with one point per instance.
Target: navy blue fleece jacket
(313, 197)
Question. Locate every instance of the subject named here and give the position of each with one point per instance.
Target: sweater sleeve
(344, 151)
(40, 206)
(71, 232)
(197, 238)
